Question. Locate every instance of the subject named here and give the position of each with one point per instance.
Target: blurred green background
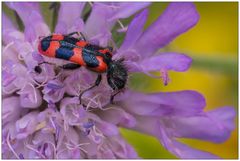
(213, 45)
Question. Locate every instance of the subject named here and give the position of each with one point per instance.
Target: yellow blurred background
(213, 45)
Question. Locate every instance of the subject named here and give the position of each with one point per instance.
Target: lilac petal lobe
(53, 91)
(26, 125)
(69, 13)
(7, 23)
(106, 128)
(127, 9)
(61, 28)
(99, 15)
(176, 19)
(181, 103)
(10, 109)
(134, 29)
(9, 31)
(221, 121)
(168, 61)
(78, 25)
(30, 97)
(179, 149)
(30, 12)
(118, 116)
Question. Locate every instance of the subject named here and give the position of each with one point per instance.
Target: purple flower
(42, 114)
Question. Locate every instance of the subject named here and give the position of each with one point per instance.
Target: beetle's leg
(113, 95)
(38, 68)
(79, 34)
(97, 82)
(70, 66)
(72, 33)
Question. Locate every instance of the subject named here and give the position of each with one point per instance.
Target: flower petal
(155, 127)
(9, 31)
(69, 13)
(176, 19)
(221, 121)
(181, 103)
(181, 150)
(26, 125)
(29, 13)
(53, 91)
(134, 30)
(105, 16)
(30, 97)
(99, 15)
(10, 109)
(126, 9)
(106, 128)
(121, 149)
(118, 116)
(167, 61)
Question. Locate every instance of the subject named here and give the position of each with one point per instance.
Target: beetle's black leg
(70, 66)
(97, 82)
(113, 95)
(79, 34)
(38, 69)
(72, 33)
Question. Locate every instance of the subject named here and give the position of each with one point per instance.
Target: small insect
(81, 53)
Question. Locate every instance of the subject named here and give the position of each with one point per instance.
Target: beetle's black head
(117, 74)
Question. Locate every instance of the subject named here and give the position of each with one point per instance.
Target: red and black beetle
(81, 53)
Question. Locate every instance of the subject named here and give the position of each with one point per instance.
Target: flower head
(43, 116)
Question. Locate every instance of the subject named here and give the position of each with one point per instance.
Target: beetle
(82, 53)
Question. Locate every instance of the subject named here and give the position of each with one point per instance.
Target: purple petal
(54, 91)
(18, 71)
(71, 111)
(10, 109)
(176, 19)
(30, 97)
(105, 16)
(126, 9)
(78, 25)
(106, 128)
(181, 103)
(181, 150)
(134, 29)
(26, 125)
(37, 57)
(167, 61)
(220, 123)
(7, 23)
(161, 63)
(105, 154)
(99, 15)
(69, 13)
(45, 141)
(8, 78)
(9, 31)
(118, 116)
(121, 149)
(29, 13)
(153, 126)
